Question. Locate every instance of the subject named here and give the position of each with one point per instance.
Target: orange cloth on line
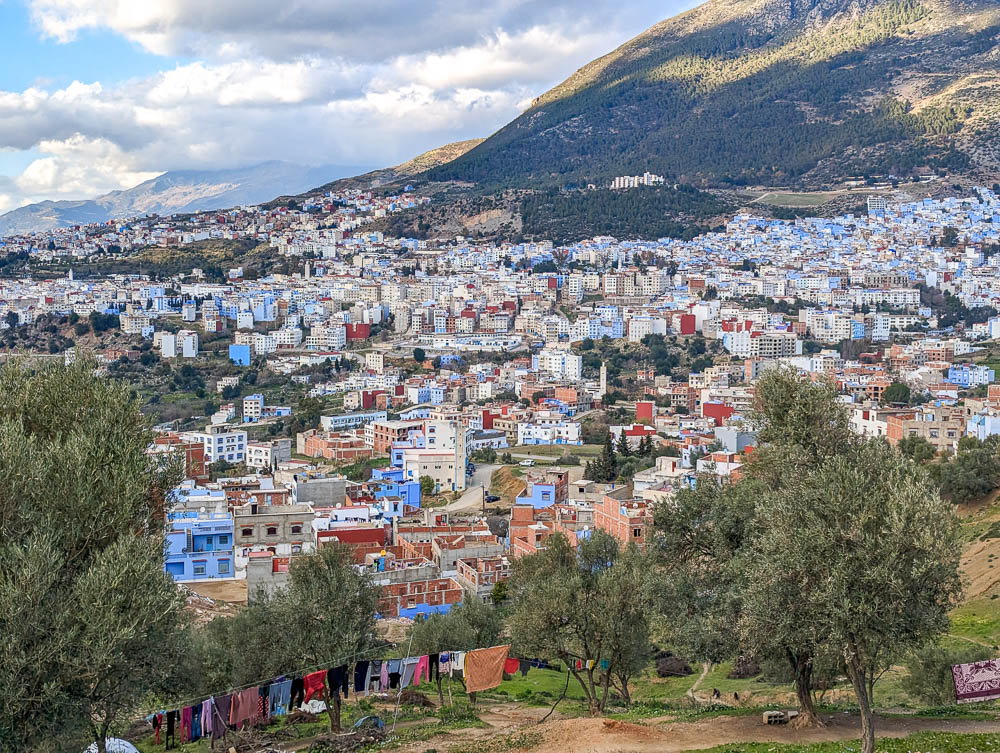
(484, 668)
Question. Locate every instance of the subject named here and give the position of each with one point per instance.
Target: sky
(97, 95)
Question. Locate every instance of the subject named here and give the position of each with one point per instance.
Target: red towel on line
(313, 683)
(510, 666)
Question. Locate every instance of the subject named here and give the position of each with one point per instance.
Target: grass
(978, 621)
(926, 742)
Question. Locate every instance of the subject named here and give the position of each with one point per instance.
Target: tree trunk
(857, 676)
(802, 664)
(588, 691)
(440, 690)
(335, 713)
(626, 696)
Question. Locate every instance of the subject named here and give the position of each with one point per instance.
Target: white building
(221, 442)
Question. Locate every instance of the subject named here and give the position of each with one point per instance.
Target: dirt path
(586, 735)
(611, 736)
(705, 667)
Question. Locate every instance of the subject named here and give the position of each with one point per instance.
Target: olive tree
(86, 610)
(862, 555)
(582, 605)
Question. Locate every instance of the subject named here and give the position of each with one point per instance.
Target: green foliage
(103, 322)
(897, 392)
(325, 615)
(573, 604)
(916, 448)
(649, 212)
(859, 557)
(419, 355)
(91, 623)
(427, 486)
(973, 472)
(930, 680)
(682, 103)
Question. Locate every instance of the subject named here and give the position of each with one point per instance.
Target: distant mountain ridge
(175, 192)
(771, 92)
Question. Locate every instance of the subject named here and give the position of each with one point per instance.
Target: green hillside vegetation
(722, 96)
(648, 212)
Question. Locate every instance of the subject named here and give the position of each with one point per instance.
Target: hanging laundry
(445, 663)
(263, 706)
(196, 722)
(423, 670)
(605, 664)
(220, 721)
(172, 717)
(510, 667)
(186, 724)
(157, 723)
(523, 665)
(207, 715)
(297, 694)
(337, 679)
(484, 668)
(279, 696)
(409, 670)
(362, 677)
(435, 666)
(383, 676)
(247, 706)
(590, 663)
(394, 668)
(313, 683)
(457, 663)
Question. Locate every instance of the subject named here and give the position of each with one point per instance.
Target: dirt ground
(232, 591)
(585, 735)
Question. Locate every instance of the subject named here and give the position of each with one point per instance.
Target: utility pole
(483, 487)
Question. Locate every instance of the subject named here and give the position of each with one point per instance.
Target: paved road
(473, 497)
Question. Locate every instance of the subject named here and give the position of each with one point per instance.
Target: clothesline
(482, 669)
(326, 665)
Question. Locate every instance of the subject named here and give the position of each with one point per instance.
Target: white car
(527, 463)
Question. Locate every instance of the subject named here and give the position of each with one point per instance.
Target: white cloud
(310, 81)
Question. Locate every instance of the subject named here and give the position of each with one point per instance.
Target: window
(199, 568)
(272, 530)
(296, 528)
(223, 540)
(636, 533)
(223, 567)
(246, 532)
(296, 548)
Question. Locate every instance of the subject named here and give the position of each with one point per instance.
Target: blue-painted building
(240, 354)
(199, 546)
(538, 495)
(969, 375)
(393, 492)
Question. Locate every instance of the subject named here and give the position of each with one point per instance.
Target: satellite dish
(201, 509)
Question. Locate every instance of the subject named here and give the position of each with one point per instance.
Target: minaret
(604, 380)
(307, 271)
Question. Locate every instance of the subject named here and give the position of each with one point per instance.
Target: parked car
(527, 463)
(492, 497)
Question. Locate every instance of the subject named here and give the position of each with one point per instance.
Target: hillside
(178, 191)
(769, 92)
(419, 164)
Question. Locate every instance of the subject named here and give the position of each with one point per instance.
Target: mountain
(770, 92)
(174, 192)
(419, 164)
